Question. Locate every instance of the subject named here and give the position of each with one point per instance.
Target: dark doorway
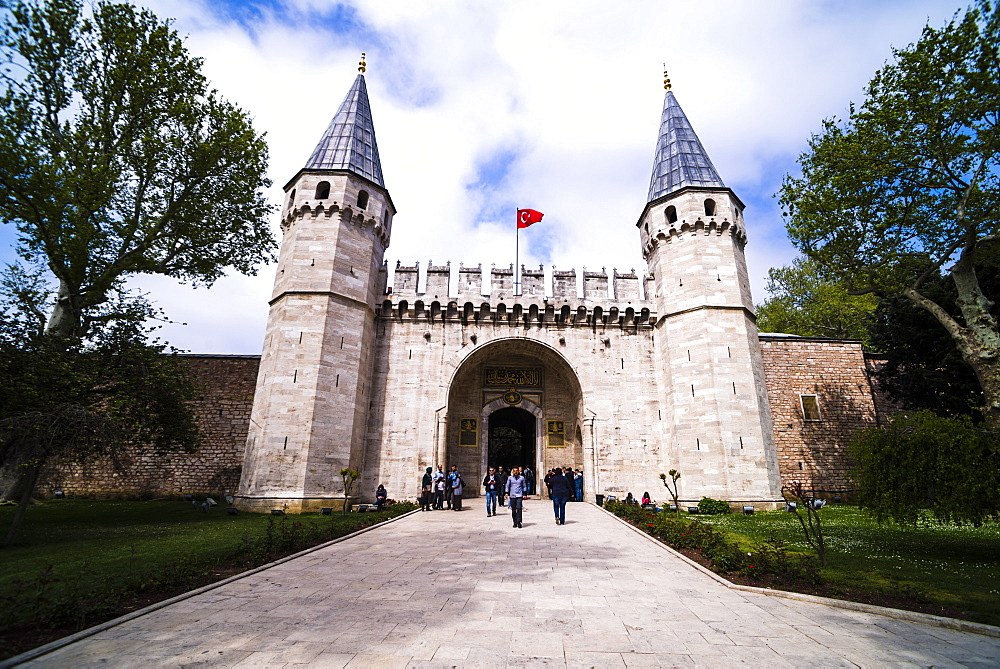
(512, 438)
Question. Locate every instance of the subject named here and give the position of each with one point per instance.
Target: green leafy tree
(804, 301)
(117, 159)
(909, 185)
(924, 461)
(72, 401)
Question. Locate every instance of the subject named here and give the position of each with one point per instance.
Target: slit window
(363, 199)
(810, 407)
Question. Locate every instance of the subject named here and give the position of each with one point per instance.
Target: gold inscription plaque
(556, 432)
(468, 433)
(496, 376)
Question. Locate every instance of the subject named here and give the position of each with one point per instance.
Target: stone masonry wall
(223, 410)
(814, 451)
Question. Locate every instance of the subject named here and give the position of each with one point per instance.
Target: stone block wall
(223, 409)
(811, 451)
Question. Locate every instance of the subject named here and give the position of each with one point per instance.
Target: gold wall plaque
(556, 432)
(512, 397)
(504, 376)
(468, 432)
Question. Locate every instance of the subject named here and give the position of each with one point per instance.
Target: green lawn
(952, 565)
(77, 562)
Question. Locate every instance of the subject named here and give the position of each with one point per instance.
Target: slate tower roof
(680, 160)
(349, 141)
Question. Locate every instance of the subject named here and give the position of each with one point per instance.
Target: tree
(909, 184)
(349, 476)
(803, 301)
(920, 366)
(75, 400)
(924, 461)
(797, 495)
(672, 488)
(116, 159)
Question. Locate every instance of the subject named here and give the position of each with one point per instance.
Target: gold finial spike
(361, 64)
(666, 79)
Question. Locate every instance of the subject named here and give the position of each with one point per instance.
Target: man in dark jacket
(503, 475)
(562, 490)
(491, 482)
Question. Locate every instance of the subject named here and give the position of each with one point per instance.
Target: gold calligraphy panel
(556, 433)
(497, 376)
(468, 432)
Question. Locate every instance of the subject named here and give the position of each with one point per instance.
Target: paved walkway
(446, 589)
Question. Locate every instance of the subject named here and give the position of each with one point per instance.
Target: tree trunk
(30, 479)
(978, 340)
(65, 318)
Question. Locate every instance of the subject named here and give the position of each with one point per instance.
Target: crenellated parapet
(700, 226)
(348, 214)
(471, 295)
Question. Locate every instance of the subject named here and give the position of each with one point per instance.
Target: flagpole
(517, 252)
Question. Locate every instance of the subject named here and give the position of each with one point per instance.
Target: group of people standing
(440, 490)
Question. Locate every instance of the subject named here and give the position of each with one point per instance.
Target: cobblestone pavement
(447, 589)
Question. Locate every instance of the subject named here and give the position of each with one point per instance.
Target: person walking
(529, 479)
(491, 482)
(514, 488)
(562, 490)
(503, 476)
(426, 484)
(456, 489)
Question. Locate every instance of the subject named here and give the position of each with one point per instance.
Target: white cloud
(569, 90)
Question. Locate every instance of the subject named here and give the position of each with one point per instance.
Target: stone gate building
(623, 376)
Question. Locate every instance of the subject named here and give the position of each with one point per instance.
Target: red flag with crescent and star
(526, 217)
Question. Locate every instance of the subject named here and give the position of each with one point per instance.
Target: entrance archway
(511, 438)
(513, 402)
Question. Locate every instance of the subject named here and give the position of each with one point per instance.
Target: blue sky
(483, 107)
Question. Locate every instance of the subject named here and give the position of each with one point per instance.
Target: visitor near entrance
(562, 489)
(515, 491)
(578, 485)
(503, 482)
(456, 488)
(491, 483)
(529, 477)
(426, 484)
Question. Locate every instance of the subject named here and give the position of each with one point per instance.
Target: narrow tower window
(671, 214)
(291, 199)
(363, 199)
(710, 207)
(322, 190)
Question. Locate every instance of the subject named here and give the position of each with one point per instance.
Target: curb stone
(90, 631)
(898, 614)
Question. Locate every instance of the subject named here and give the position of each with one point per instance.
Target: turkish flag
(526, 217)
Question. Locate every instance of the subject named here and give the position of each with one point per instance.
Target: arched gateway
(513, 402)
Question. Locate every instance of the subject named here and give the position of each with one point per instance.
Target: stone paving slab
(458, 589)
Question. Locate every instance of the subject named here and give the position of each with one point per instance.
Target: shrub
(711, 506)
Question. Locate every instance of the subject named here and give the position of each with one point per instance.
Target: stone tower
(310, 408)
(710, 371)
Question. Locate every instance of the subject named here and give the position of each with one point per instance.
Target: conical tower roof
(349, 141)
(680, 160)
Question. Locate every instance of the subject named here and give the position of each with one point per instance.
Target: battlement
(380, 228)
(472, 294)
